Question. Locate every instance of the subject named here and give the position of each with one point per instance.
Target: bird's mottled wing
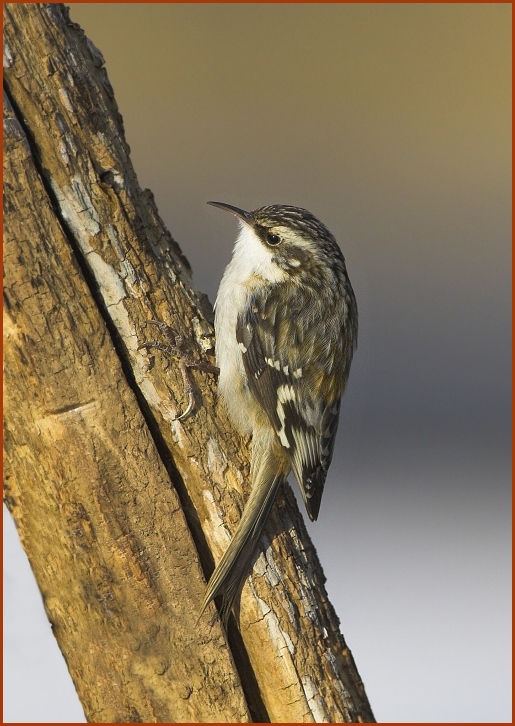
(287, 359)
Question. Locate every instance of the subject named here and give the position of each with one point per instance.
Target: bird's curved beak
(241, 213)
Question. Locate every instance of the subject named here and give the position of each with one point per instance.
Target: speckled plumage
(286, 330)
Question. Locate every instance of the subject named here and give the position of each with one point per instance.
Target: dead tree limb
(120, 506)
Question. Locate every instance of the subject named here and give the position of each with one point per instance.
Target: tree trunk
(120, 506)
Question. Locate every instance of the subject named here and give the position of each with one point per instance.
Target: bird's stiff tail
(230, 573)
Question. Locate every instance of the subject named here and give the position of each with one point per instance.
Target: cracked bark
(120, 506)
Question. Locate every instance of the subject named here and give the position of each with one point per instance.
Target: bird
(286, 327)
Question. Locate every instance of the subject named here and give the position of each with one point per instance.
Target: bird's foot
(175, 346)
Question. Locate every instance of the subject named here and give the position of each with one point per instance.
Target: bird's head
(280, 241)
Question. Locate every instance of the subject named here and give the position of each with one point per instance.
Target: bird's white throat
(252, 258)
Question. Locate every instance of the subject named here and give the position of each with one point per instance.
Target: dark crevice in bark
(249, 683)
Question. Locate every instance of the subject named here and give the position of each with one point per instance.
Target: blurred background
(392, 124)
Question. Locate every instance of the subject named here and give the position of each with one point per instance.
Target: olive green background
(392, 124)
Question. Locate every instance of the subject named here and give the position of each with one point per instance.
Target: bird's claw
(174, 347)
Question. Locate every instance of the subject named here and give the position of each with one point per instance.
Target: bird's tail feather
(231, 571)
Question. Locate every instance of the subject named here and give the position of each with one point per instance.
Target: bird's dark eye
(272, 239)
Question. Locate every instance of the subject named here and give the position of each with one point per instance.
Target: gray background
(391, 123)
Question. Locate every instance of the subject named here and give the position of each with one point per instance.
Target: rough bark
(118, 504)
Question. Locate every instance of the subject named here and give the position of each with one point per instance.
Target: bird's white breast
(251, 266)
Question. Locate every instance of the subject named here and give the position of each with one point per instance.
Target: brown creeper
(286, 326)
